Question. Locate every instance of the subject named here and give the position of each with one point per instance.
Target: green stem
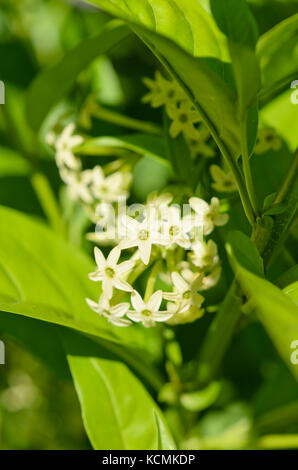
(219, 334)
(246, 167)
(288, 182)
(124, 121)
(48, 201)
(151, 280)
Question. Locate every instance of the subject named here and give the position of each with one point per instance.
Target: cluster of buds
(91, 187)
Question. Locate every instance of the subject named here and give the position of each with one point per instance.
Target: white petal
(162, 316)
(99, 258)
(94, 305)
(96, 276)
(135, 316)
(107, 287)
(120, 310)
(131, 224)
(137, 301)
(199, 205)
(221, 219)
(154, 302)
(125, 266)
(76, 140)
(179, 283)
(119, 321)
(124, 244)
(114, 256)
(122, 285)
(145, 251)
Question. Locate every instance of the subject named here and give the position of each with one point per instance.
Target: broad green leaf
(275, 309)
(198, 33)
(278, 56)
(246, 252)
(143, 144)
(197, 62)
(237, 23)
(51, 85)
(165, 440)
(118, 412)
(292, 291)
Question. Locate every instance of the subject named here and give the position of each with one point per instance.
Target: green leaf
(118, 412)
(51, 85)
(165, 440)
(196, 57)
(237, 23)
(143, 144)
(198, 33)
(292, 291)
(278, 56)
(44, 278)
(246, 252)
(275, 309)
(276, 209)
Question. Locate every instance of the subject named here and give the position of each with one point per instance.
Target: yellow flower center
(143, 235)
(110, 272)
(146, 313)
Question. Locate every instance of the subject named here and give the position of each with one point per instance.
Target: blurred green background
(39, 410)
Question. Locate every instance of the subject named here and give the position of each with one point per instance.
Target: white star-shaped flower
(208, 215)
(204, 255)
(78, 184)
(211, 279)
(110, 273)
(113, 314)
(148, 312)
(142, 235)
(64, 146)
(175, 229)
(185, 293)
(109, 188)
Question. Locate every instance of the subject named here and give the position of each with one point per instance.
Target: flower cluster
(169, 244)
(92, 187)
(185, 118)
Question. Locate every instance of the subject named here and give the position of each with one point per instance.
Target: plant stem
(246, 167)
(248, 209)
(48, 201)
(219, 334)
(151, 280)
(289, 180)
(117, 118)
